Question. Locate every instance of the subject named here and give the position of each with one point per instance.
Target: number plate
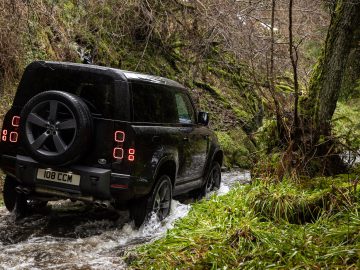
(58, 177)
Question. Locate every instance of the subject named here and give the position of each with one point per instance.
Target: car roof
(114, 72)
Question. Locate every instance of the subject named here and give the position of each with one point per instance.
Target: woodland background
(281, 80)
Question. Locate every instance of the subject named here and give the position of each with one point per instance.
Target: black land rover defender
(104, 136)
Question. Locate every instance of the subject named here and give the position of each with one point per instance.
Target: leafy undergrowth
(284, 225)
(346, 123)
(237, 147)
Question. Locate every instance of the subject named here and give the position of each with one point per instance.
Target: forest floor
(310, 225)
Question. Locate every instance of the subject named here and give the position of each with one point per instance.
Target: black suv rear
(105, 136)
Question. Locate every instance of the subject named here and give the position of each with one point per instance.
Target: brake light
(118, 153)
(11, 134)
(119, 136)
(13, 137)
(15, 122)
(4, 135)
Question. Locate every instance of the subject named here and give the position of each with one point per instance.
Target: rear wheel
(14, 202)
(158, 203)
(9, 193)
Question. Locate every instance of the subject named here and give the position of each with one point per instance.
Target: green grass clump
(346, 123)
(310, 225)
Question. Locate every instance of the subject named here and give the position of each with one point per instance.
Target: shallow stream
(69, 235)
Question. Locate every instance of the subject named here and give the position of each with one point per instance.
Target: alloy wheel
(212, 180)
(51, 128)
(162, 200)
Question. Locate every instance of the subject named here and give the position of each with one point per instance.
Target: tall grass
(277, 226)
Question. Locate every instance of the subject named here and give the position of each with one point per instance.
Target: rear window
(153, 104)
(97, 90)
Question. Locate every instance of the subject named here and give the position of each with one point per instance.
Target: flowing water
(76, 236)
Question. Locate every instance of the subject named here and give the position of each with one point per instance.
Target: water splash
(74, 236)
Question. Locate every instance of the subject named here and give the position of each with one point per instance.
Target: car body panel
(190, 147)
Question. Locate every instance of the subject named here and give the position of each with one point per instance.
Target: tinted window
(185, 110)
(96, 90)
(153, 104)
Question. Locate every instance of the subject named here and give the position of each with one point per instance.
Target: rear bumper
(95, 183)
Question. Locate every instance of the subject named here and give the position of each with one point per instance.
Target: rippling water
(77, 236)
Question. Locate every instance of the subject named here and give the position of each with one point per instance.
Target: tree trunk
(351, 83)
(327, 78)
(324, 90)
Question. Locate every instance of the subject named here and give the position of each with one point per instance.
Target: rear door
(155, 122)
(195, 138)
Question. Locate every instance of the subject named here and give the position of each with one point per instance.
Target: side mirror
(203, 118)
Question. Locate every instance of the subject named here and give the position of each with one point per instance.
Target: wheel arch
(218, 157)
(167, 166)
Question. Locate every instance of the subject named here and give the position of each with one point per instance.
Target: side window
(185, 109)
(153, 104)
(98, 98)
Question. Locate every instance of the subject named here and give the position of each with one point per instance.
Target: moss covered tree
(318, 108)
(351, 83)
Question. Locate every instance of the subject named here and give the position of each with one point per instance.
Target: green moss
(266, 136)
(237, 148)
(241, 113)
(346, 123)
(239, 81)
(284, 88)
(211, 89)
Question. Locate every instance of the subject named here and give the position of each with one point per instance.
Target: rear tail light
(131, 156)
(13, 137)
(15, 122)
(119, 136)
(118, 151)
(4, 135)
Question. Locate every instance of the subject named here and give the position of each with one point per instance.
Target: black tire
(158, 202)
(14, 202)
(57, 127)
(9, 193)
(21, 206)
(213, 179)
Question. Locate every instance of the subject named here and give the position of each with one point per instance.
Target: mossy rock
(237, 148)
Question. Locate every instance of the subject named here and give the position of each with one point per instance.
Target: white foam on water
(100, 243)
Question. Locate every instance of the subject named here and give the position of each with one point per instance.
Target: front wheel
(213, 179)
(158, 203)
